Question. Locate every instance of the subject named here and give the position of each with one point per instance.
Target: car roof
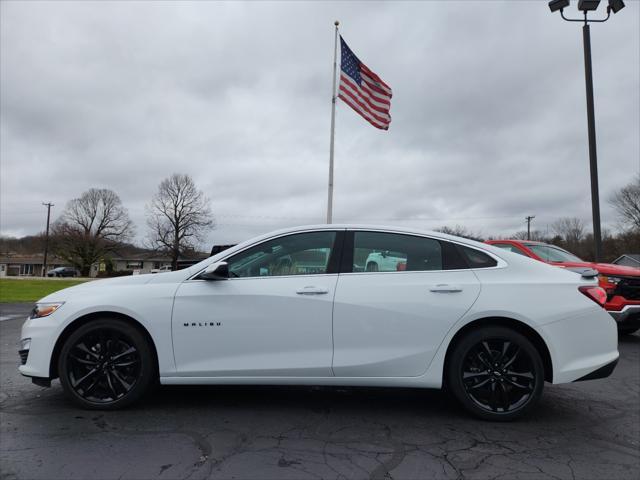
(524, 242)
(381, 228)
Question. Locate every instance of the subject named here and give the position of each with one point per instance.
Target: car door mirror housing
(215, 271)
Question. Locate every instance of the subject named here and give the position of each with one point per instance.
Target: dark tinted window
(452, 258)
(391, 252)
(476, 258)
(300, 254)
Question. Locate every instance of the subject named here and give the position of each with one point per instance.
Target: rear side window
(391, 252)
(476, 258)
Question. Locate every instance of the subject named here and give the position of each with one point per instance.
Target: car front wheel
(106, 364)
(496, 373)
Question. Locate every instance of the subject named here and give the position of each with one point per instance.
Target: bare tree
(90, 227)
(627, 203)
(460, 231)
(571, 229)
(178, 217)
(534, 235)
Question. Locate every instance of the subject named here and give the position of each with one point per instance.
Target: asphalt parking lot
(585, 430)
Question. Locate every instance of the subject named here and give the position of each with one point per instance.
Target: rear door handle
(445, 288)
(311, 290)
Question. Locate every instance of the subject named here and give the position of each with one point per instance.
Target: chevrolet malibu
(291, 308)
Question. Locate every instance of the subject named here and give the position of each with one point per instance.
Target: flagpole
(333, 125)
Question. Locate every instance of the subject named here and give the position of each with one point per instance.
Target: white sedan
(290, 308)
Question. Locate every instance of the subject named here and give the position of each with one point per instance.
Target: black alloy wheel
(496, 373)
(106, 364)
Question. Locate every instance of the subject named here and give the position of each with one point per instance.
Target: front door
(272, 317)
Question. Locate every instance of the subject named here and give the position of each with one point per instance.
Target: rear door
(389, 319)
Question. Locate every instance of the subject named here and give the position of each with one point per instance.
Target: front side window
(390, 252)
(299, 254)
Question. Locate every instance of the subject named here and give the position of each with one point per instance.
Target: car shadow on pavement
(629, 339)
(316, 399)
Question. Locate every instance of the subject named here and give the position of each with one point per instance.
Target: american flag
(363, 90)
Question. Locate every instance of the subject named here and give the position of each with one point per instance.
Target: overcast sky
(489, 116)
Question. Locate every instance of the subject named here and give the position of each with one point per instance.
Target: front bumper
(41, 333)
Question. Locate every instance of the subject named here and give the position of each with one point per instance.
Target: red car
(622, 284)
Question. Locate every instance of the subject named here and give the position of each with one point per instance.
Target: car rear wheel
(106, 364)
(372, 267)
(496, 373)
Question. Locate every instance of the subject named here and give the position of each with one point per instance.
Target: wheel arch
(518, 326)
(83, 320)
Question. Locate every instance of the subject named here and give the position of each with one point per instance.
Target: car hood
(169, 277)
(603, 268)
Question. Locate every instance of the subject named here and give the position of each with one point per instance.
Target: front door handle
(311, 290)
(445, 288)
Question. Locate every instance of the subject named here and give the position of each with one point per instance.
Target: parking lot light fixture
(616, 5)
(588, 5)
(555, 5)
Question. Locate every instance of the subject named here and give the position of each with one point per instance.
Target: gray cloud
(489, 120)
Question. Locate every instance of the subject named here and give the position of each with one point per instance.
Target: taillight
(597, 294)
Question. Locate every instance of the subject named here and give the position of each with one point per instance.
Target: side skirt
(407, 382)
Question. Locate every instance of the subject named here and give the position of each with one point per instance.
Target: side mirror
(216, 271)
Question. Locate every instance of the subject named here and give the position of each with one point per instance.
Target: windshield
(552, 254)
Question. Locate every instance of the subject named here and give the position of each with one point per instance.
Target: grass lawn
(23, 290)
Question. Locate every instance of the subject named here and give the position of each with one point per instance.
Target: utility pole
(46, 238)
(528, 219)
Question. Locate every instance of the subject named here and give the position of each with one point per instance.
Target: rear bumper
(602, 372)
(581, 344)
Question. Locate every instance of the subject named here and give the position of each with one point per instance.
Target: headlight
(44, 309)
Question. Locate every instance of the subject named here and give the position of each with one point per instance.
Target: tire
(501, 383)
(372, 267)
(120, 358)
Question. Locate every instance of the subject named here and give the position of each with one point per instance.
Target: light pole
(587, 6)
